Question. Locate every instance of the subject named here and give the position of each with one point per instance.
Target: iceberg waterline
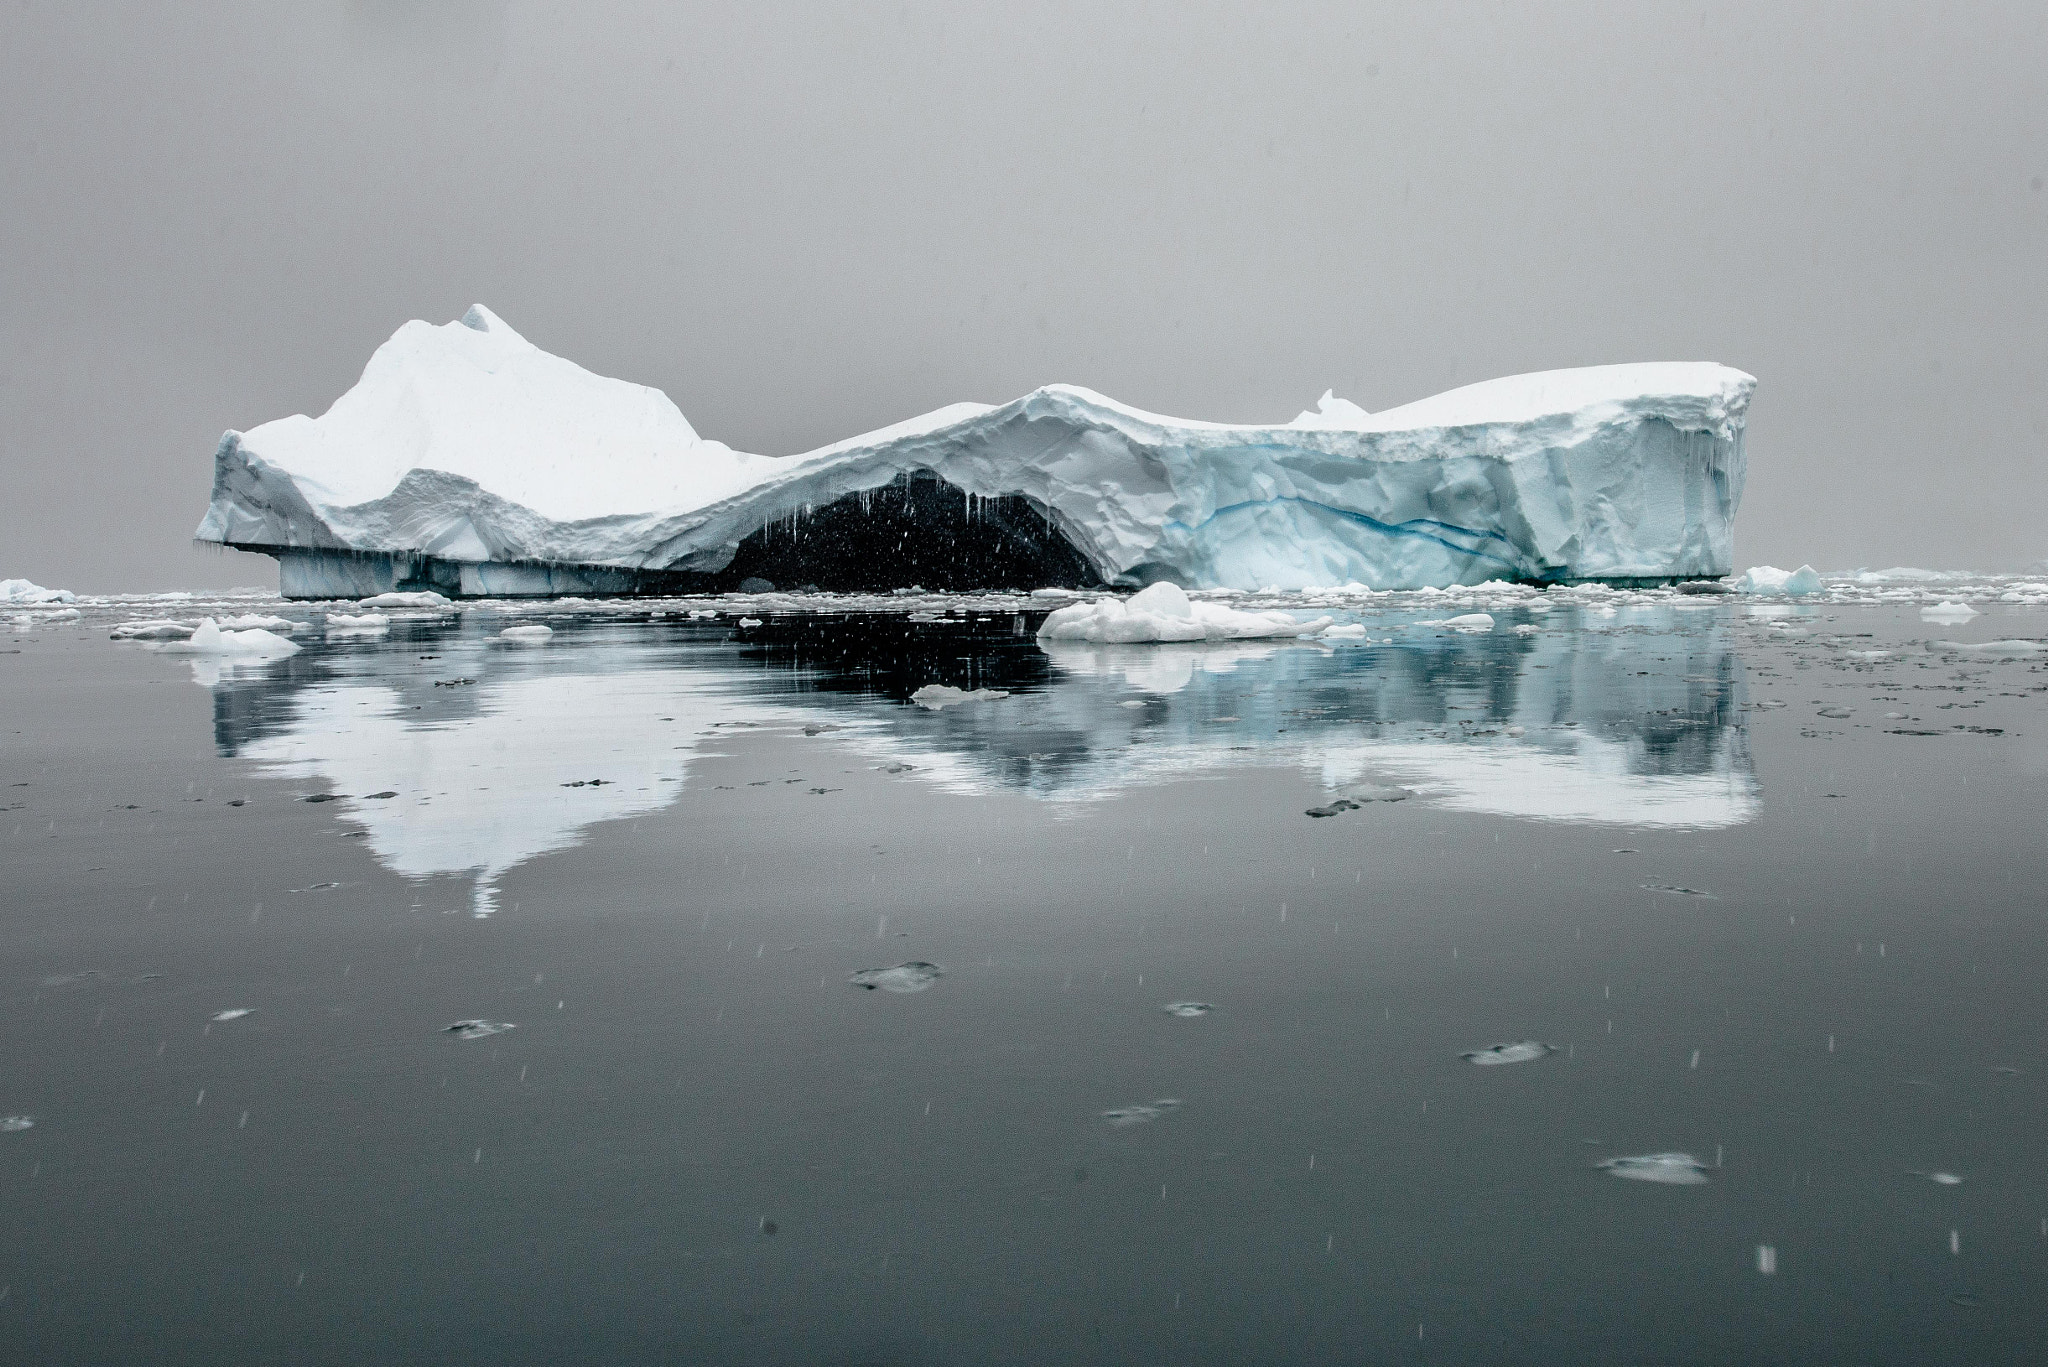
(469, 461)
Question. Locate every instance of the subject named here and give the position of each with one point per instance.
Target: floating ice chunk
(423, 598)
(1769, 579)
(1521, 1051)
(1671, 1169)
(935, 696)
(1124, 1117)
(1836, 713)
(368, 621)
(532, 635)
(14, 1124)
(1348, 631)
(1940, 1179)
(234, 1013)
(477, 1029)
(1357, 797)
(1990, 649)
(1948, 611)
(1164, 612)
(208, 639)
(153, 629)
(1187, 1010)
(1678, 889)
(20, 592)
(914, 976)
(1527, 629)
(258, 621)
(750, 621)
(1471, 621)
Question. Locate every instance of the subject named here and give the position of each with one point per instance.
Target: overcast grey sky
(806, 220)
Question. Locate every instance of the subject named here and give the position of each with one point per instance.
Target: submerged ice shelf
(470, 461)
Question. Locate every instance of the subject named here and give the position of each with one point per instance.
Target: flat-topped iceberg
(469, 461)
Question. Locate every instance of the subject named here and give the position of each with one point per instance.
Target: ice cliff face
(466, 444)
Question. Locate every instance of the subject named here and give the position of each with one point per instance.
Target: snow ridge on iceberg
(468, 459)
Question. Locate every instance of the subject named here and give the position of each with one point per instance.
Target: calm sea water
(1802, 946)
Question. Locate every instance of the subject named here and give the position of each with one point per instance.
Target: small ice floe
(1678, 890)
(256, 644)
(1948, 611)
(1671, 1169)
(914, 976)
(1836, 713)
(1772, 581)
(750, 621)
(313, 887)
(1470, 621)
(362, 622)
(1940, 1179)
(1521, 1051)
(251, 621)
(1164, 612)
(1123, 1117)
(153, 629)
(1187, 1010)
(14, 1124)
(234, 1013)
(529, 634)
(932, 697)
(1358, 797)
(1348, 631)
(477, 1029)
(422, 599)
(1527, 629)
(2000, 650)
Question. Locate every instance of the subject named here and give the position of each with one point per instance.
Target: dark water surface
(1806, 950)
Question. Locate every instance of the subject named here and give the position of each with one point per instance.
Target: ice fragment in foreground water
(477, 1029)
(234, 1013)
(1123, 1117)
(1948, 611)
(935, 696)
(1940, 1179)
(1164, 612)
(11, 1123)
(1672, 1169)
(1769, 579)
(533, 634)
(1521, 1051)
(914, 976)
(1187, 1009)
(1371, 792)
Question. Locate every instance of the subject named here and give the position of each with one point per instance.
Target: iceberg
(1770, 580)
(469, 462)
(18, 592)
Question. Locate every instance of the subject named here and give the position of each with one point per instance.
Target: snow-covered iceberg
(469, 461)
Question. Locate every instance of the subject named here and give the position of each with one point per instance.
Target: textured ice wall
(467, 443)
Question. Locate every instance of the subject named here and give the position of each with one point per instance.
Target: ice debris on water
(1671, 1169)
(914, 976)
(423, 598)
(234, 1013)
(935, 696)
(1948, 610)
(1521, 1051)
(1164, 612)
(477, 1029)
(1678, 889)
(256, 644)
(1123, 1117)
(1940, 1179)
(1470, 622)
(1187, 1009)
(362, 622)
(1771, 581)
(13, 1124)
(533, 634)
(1358, 797)
(15, 592)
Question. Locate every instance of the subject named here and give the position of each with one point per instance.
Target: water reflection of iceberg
(1633, 720)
